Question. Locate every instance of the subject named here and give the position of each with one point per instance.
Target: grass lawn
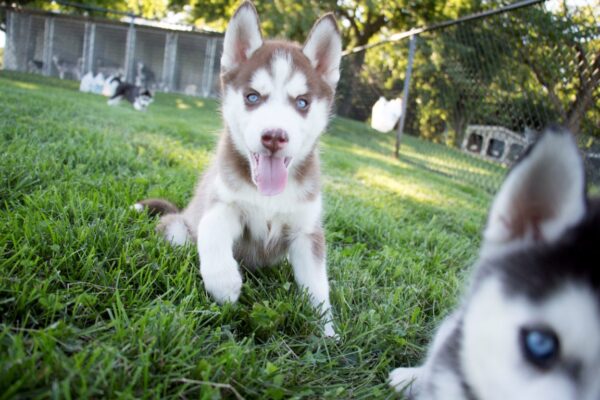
(94, 304)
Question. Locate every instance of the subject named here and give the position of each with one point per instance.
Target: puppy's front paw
(329, 332)
(223, 282)
(402, 378)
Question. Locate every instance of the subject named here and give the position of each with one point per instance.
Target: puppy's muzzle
(274, 139)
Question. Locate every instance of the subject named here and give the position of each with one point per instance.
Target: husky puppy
(35, 66)
(65, 67)
(144, 76)
(138, 96)
(260, 199)
(529, 326)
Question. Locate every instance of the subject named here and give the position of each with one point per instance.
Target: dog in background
(260, 199)
(144, 76)
(66, 67)
(138, 96)
(529, 325)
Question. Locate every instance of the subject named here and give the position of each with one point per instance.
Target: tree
(565, 59)
(361, 21)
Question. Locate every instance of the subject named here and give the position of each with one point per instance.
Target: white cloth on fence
(385, 114)
(86, 83)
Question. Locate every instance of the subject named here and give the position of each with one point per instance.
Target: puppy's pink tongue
(271, 175)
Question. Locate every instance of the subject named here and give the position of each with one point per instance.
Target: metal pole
(411, 57)
(89, 42)
(209, 60)
(130, 52)
(170, 58)
(48, 45)
(9, 57)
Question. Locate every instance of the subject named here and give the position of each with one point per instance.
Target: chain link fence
(69, 47)
(480, 88)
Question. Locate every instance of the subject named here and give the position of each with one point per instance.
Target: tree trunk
(585, 96)
(577, 111)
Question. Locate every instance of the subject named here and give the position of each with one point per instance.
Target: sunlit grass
(27, 86)
(95, 305)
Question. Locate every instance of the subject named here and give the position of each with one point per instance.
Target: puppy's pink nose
(274, 139)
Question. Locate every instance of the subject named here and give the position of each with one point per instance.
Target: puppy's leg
(307, 255)
(174, 229)
(404, 379)
(113, 101)
(217, 232)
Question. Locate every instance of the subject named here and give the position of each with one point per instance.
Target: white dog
(260, 199)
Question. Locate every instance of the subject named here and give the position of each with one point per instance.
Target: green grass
(95, 304)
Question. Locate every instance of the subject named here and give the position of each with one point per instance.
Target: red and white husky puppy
(260, 199)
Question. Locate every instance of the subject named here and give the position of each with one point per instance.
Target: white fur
(297, 85)
(405, 379)
(408, 379)
(312, 276)
(262, 82)
(325, 35)
(492, 357)
(218, 229)
(177, 233)
(243, 27)
(114, 101)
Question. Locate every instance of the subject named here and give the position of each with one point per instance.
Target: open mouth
(269, 173)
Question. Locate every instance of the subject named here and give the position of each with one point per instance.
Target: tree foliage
(521, 70)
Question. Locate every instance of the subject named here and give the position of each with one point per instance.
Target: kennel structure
(164, 59)
(494, 143)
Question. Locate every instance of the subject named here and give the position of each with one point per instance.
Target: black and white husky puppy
(529, 325)
(138, 96)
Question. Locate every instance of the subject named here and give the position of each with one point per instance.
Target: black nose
(274, 139)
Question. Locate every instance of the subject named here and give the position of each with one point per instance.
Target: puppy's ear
(242, 37)
(542, 196)
(324, 49)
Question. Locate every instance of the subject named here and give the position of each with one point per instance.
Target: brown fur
(254, 253)
(235, 165)
(240, 76)
(159, 206)
(318, 244)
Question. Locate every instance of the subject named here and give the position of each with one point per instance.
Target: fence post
(48, 45)
(170, 58)
(89, 42)
(411, 57)
(209, 63)
(10, 61)
(130, 53)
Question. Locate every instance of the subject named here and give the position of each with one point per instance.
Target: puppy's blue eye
(302, 104)
(540, 346)
(252, 98)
